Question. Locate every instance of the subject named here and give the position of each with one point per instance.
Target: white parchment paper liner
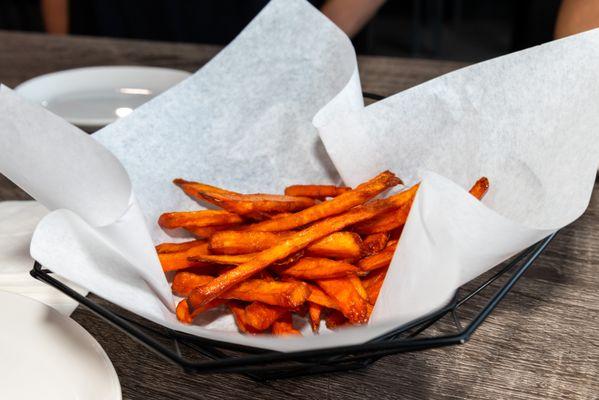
(244, 121)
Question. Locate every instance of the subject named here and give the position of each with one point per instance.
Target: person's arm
(56, 16)
(576, 16)
(351, 15)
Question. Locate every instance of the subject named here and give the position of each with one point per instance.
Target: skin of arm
(351, 15)
(576, 16)
(56, 16)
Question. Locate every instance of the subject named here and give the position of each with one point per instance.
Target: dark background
(466, 30)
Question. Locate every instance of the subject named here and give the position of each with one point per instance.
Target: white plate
(45, 355)
(96, 96)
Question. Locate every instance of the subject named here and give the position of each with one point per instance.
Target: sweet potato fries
(317, 251)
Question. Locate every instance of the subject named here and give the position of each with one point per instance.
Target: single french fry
(338, 205)
(338, 245)
(480, 188)
(195, 189)
(165, 248)
(386, 222)
(373, 283)
(244, 204)
(252, 204)
(223, 259)
(283, 294)
(351, 301)
(295, 243)
(204, 232)
(316, 296)
(319, 268)
(237, 242)
(183, 313)
(280, 215)
(178, 260)
(202, 218)
(184, 282)
(238, 311)
(374, 243)
(284, 326)
(334, 319)
(237, 259)
(378, 260)
(358, 286)
(316, 191)
(314, 312)
(186, 317)
(261, 316)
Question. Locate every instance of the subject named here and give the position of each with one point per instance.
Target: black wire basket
(453, 324)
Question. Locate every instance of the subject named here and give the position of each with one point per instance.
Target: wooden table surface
(542, 342)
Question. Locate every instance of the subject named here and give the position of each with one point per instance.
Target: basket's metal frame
(221, 357)
(259, 364)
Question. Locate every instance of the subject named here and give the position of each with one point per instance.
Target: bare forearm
(351, 15)
(576, 16)
(56, 16)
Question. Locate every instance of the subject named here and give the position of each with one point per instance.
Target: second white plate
(96, 96)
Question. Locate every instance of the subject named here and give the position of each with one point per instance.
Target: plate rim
(114, 378)
(103, 69)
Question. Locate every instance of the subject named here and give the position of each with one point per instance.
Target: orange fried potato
(223, 259)
(244, 204)
(204, 232)
(198, 219)
(183, 313)
(334, 319)
(238, 311)
(261, 316)
(314, 312)
(338, 205)
(385, 222)
(284, 326)
(338, 245)
(317, 296)
(184, 282)
(316, 191)
(280, 215)
(165, 248)
(388, 221)
(237, 242)
(319, 268)
(373, 283)
(374, 243)
(349, 297)
(195, 189)
(186, 317)
(480, 188)
(257, 204)
(358, 286)
(378, 260)
(178, 260)
(283, 294)
(237, 259)
(295, 243)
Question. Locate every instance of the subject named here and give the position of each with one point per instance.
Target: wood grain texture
(542, 342)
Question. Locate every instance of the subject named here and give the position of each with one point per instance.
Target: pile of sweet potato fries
(317, 250)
